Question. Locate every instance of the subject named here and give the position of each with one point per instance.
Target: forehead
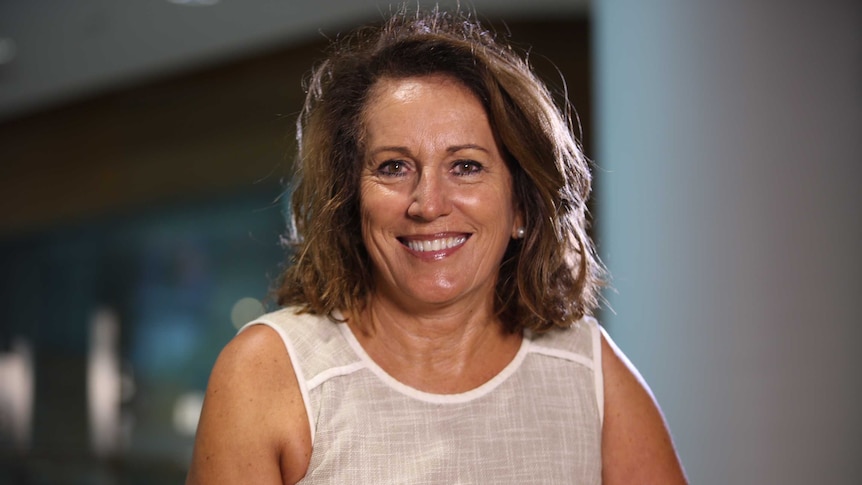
(425, 100)
(407, 89)
(403, 90)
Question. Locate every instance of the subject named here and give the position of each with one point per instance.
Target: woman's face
(435, 194)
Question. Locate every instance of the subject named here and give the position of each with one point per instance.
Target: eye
(392, 168)
(467, 167)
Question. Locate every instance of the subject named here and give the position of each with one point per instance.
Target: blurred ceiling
(55, 51)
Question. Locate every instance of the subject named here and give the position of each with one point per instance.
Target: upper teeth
(436, 244)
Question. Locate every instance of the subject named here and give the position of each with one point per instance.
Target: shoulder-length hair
(549, 278)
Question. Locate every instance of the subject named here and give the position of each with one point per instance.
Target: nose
(430, 198)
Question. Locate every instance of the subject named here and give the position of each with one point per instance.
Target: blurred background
(144, 146)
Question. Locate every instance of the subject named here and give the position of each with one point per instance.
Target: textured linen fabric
(537, 421)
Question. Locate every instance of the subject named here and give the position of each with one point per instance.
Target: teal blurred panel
(171, 275)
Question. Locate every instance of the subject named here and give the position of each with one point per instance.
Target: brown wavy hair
(550, 278)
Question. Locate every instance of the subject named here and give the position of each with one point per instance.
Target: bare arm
(253, 427)
(636, 444)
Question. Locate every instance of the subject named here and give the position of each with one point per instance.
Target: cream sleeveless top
(537, 422)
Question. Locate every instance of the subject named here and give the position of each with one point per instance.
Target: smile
(439, 244)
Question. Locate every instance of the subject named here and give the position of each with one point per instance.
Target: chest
(541, 425)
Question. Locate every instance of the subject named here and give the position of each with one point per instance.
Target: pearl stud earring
(520, 233)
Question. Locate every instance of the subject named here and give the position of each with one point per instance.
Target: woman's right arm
(253, 426)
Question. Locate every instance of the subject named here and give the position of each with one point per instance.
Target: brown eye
(392, 168)
(467, 167)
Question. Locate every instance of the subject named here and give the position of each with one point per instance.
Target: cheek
(366, 215)
(376, 207)
(495, 204)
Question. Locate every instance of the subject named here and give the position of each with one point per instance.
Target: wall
(729, 159)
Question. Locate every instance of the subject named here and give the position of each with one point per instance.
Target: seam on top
(563, 354)
(297, 369)
(429, 397)
(334, 372)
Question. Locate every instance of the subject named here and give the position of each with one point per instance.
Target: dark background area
(160, 202)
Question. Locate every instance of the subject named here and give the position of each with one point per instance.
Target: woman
(436, 322)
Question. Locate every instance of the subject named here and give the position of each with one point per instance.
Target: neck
(448, 350)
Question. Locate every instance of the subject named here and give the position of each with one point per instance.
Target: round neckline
(430, 397)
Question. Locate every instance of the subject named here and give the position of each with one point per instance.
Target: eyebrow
(397, 149)
(406, 151)
(468, 146)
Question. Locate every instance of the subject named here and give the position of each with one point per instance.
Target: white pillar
(730, 214)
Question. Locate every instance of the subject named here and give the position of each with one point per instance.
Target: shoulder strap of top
(304, 336)
(596, 333)
(581, 344)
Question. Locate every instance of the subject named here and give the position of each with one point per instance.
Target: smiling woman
(436, 324)
(436, 199)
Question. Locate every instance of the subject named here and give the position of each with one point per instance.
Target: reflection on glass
(187, 412)
(245, 310)
(16, 394)
(104, 389)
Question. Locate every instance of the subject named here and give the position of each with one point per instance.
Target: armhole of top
(597, 331)
(297, 369)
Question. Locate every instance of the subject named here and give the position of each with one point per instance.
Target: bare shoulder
(636, 444)
(253, 426)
